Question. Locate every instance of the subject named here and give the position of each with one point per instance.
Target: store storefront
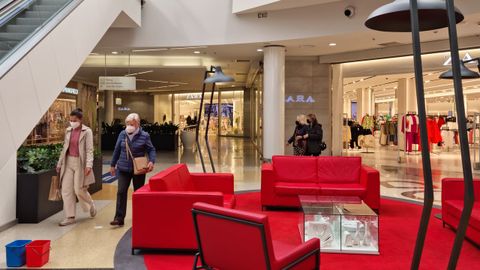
(384, 96)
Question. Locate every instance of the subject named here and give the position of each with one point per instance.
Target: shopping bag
(55, 193)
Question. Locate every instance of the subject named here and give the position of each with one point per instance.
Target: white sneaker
(66, 222)
(93, 210)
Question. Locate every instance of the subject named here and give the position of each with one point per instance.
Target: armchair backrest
(339, 170)
(232, 239)
(175, 178)
(328, 169)
(295, 169)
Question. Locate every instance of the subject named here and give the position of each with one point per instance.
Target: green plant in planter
(167, 128)
(38, 158)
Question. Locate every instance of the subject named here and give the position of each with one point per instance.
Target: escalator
(42, 45)
(21, 19)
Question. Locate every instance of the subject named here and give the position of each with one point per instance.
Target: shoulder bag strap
(129, 152)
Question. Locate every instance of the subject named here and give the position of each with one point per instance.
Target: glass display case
(343, 224)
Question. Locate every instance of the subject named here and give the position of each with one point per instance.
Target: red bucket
(38, 253)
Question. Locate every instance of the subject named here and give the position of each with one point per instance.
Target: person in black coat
(314, 136)
(299, 144)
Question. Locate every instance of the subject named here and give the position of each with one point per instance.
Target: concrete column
(109, 106)
(337, 112)
(406, 102)
(273, 101)
(465, 101)
(347, 106)
(364, 102)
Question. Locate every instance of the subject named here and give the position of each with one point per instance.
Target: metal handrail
(4, 4)
(36, 36)
(12, 10)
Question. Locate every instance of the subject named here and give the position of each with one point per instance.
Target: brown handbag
(140, 164)
(55, 193)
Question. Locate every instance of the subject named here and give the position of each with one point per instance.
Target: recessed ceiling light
(196, 52)
(259, 50)
(332, 44)
(114, 52)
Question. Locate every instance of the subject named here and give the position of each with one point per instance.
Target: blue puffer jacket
(139, 145)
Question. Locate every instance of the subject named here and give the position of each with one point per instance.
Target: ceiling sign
(117, 83)
(299, 99)
(69, 90)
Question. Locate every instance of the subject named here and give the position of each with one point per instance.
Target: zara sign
(299, 99)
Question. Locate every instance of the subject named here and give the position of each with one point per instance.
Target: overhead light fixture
(332, 44)
(464, 71)
(93, 53)
(164, 86)
(395, 17)
(138, 73)
(259, 50)
(218, 77)
(169, 49)
(196, 52)
(114, 52)
(182, 83)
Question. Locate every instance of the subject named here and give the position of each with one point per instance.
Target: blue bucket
(16, 254)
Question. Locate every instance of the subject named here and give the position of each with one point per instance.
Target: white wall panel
(47, 80)
(8, 192)
(20, 101)
(6, 138)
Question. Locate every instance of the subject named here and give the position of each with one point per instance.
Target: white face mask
(130, 129)
(74, 125)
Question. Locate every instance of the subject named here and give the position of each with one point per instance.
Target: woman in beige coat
(75, 168)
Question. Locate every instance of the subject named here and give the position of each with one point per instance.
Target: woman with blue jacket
(140, 145)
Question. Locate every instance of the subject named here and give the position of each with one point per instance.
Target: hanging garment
(346, 133)
(368, 122)
(383, 135)
(448, 138)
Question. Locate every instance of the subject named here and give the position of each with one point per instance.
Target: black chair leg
(195, 261)
(133, 251)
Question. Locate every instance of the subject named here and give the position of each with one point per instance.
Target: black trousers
(124, 179)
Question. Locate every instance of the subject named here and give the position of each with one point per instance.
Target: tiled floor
(91, 242)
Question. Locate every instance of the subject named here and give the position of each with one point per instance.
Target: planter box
(188, 139)
(97, 170)
(33, 205)
(167, 142)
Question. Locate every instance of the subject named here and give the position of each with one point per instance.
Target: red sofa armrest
(268, 180)
(220, 182)
(163, 220)
(370, 179)
(453, 189)
(301, 255)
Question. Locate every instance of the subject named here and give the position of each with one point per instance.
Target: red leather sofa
(249, 244)
(289, 176)
(452, 206)
(162, 217)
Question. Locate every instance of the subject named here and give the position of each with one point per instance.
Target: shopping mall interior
(223, 90)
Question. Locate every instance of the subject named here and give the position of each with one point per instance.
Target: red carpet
(398, 229)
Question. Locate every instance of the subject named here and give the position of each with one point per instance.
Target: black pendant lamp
(466, 73)
(395, 17)
(218, 77)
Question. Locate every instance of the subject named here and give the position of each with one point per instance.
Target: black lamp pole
(462, 130)
(197, 131)
(208, 125)
(422, 115)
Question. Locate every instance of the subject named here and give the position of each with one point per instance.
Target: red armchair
(245, 238)
(162, 216)
(288, 176)
(452, 206)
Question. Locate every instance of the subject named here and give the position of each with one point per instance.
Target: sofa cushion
(342, 190)
(175, 178)
(455, 207)
(229, 201)
(295, 169)
(288, 188)
(339, 170)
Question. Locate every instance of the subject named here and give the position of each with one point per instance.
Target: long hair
(313, 119)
